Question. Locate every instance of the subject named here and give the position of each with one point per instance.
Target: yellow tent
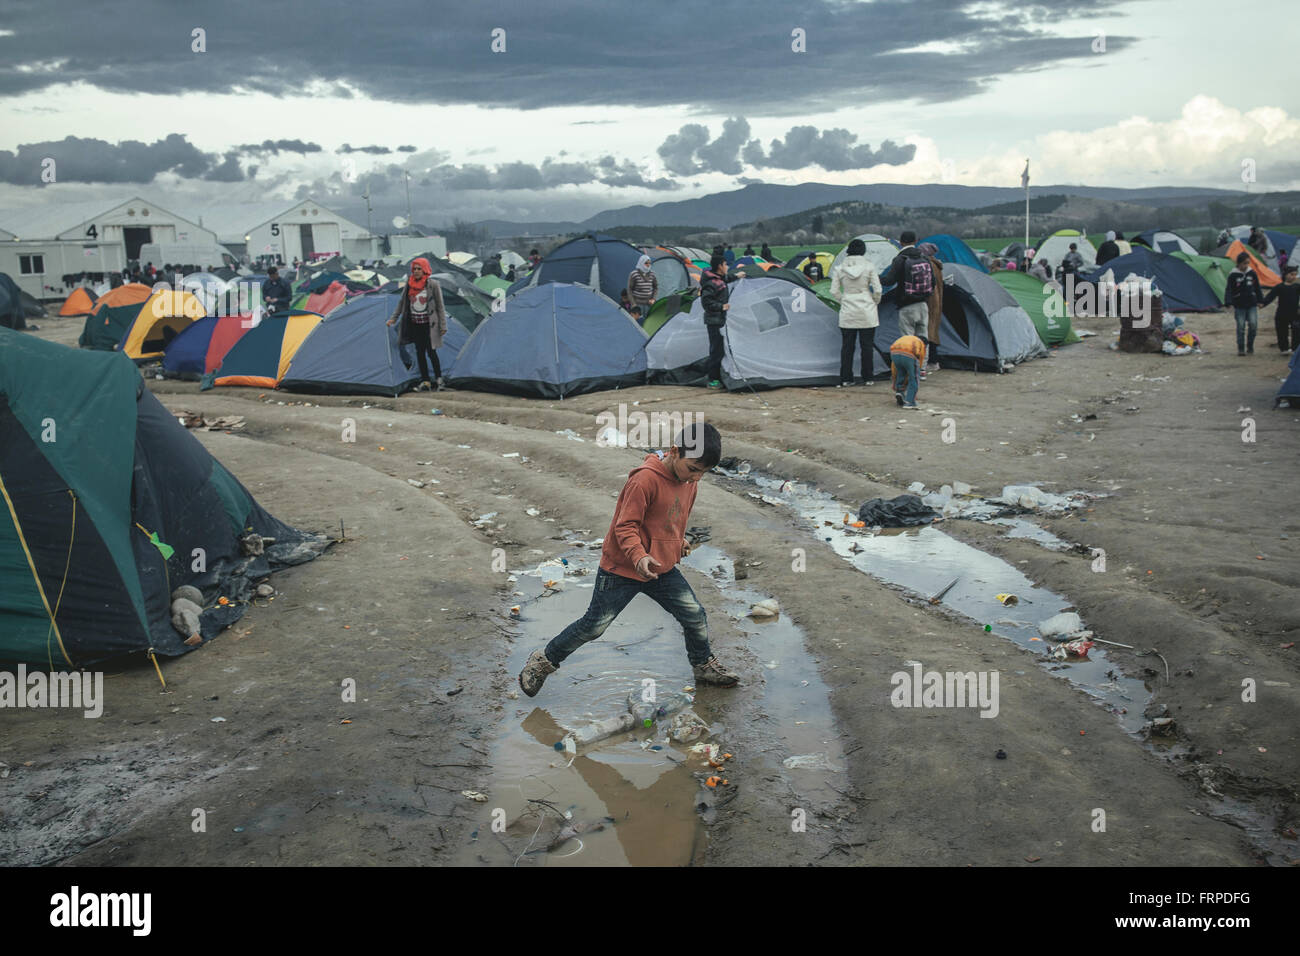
(164, 315)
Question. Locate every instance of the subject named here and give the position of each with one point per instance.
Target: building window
(31, 265)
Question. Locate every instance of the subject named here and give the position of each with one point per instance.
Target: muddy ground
(1199, 529)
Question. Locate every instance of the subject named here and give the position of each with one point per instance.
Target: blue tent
(552, 341)
(952, 249)
(1182, 286)
(1283, 242)
(323, 281)
(355, 352)
(596, 260)
(1290, 390)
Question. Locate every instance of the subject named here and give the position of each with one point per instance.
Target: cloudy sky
(561, 108)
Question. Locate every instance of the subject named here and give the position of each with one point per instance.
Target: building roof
(232, 221)
(48, 220)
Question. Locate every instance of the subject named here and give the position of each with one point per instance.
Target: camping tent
(160, 319)
(1055, 246)
(465, 261)
(952, 249)
(113, 313)
(769, 344)
(880, 252)
(1212, 269)
(1268, 256)
(99, 527)
(262, 355)
(355, 352)
(1290, 390)
(12, 315)
(1042, 302)
(511, 258)
(552, 341)
(1182, 286)
(671, 272)
(79, 302)
(796, 262)
(199, 349)
(1283, 242)
(326, 300)
(1162, 240)
(1267, 277)
(490, 284)
(1013, 251)
(596, 260)
(983, 327)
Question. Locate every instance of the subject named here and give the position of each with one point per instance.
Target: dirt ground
(1198, 526)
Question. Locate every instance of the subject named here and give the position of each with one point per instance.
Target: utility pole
(408, 199)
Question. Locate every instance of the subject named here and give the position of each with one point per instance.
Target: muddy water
(925, 560)
(631, 798)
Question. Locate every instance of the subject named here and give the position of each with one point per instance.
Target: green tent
(490, 284)
(1213, 269)
(107, 505)
(665, 307)
(1045, 305)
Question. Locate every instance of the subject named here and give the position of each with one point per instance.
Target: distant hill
(763, 201)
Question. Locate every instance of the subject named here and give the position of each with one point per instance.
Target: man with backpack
(913, 277)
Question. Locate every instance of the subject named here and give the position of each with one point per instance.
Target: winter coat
(855, 283)
(1106, 251)
(276, 294)
(1288, 300)
(934, 304)
(896, 272)
(714, 294)
(1243, 289)
(437, 316)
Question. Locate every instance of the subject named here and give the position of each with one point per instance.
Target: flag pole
(1026, 185)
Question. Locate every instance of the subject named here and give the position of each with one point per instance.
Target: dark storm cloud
(277, 146)
(372, 150)
(96, 161)
(406, 149)
(831, 149)
(575, 53)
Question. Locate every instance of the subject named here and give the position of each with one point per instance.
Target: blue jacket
(276, 294)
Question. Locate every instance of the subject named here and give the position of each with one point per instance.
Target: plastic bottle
(600, 730)
(672, 703)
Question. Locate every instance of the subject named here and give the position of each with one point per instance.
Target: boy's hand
(686, 548)
(643, 568)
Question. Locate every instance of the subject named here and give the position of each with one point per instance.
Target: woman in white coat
(855, 283)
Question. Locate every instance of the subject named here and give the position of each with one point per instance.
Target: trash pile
(224, 423)
(1066, 631)
(1178, 339)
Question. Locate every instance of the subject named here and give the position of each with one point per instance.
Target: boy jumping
(645, 540)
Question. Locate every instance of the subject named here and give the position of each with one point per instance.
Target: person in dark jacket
(911, 292)
(276, 292)
(493, 266)
(813, 269)
(730, 255)
(749, 250)
(1244, 296)
(1286, 320)
(715, 296)
(1108, 250)
(766, 253)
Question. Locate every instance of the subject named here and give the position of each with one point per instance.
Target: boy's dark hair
(908, 237)
(273, 271)
(1074, 247)
(700, 440)
(857, 248)
(1289, 269)
(717, 262)
(1242, 257)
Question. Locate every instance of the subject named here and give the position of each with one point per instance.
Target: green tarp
(1046, 308)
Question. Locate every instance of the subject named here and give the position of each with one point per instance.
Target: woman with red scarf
(424, 320)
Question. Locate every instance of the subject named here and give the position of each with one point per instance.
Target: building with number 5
(278, 232)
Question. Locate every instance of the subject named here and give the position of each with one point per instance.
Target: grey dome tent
(670, 271)
(552, 341)
(12, 313)
(596, 260)
(777, 334)
(880, 252)
(355, 352)
(983, 327)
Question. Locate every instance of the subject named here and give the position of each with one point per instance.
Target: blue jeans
(906, 380)
(612, 593)
(1247, 317)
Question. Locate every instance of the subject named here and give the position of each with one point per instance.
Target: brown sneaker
(712, 672)
(535, 672)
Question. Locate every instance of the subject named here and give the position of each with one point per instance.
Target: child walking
(646, 538)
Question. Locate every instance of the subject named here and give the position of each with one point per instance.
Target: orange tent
(1267, 277)
(80, 302)
(112, 315)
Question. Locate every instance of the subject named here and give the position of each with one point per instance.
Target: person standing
(933, 308)
(905, 358)
(643, 285)
(749, 250)
(1244, 296)
(715, 296)
(729, 255)
(276, 292)
(424, 321)
(534, 259)
(1286, 320)
(493, 266)
(812, 269)
(766, 253)
(1072, 262)
(855, 283)
(1108, 250)
(913, 277)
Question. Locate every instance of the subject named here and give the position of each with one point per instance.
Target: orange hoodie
(650, 518)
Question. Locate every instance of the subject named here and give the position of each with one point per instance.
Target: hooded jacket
(650, 517)
(437, 316)
(897, 270)
(714, 294)
(855, 283)
(1243, 289)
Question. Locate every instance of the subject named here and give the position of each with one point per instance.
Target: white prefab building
(303, 230)
(43, 248)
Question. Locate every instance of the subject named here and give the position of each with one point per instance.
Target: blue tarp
(596, 260)
(952, 249)
(355, 352)
(552, 341)
(1182, 286)
(1282, 241)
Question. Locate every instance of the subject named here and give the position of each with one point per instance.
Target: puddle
(632, 805)
(926, 560)
(1020, 528)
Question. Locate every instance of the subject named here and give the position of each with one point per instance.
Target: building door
(135, 237)
(308, 247)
